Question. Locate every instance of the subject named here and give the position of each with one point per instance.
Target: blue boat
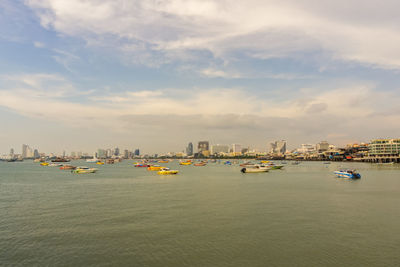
(228, 162)
(352, 174)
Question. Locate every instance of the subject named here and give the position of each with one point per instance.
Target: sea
(213, 215)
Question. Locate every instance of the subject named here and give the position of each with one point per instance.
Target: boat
(265, 161)
(84, 169)
(44, 164)
(155, 168)
(163, 161)
(141, 165)
(247, 164)
(110, 161)
(352, 174)
(185, 163)
(100, 163)
(93, 160)
(275, 167)
(67, 167)
(385, 163)
(166, 171)
(255, 169)
(200, 164)
(60, 160)
(227, 162)
(54, 165)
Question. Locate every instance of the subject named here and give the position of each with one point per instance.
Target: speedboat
(44, 164)
(200, 164)
(55, 165)
(67, 167)
(155, 168)
(84, 169)
(166, 171)
(352, 174)
(141, 165)
(163, 161)
(100, 163)
(255, 169)
(185, 163)
(228, 162)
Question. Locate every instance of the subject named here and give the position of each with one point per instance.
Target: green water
(205, 216)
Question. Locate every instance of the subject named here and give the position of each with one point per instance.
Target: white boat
(352, 174)
(55, 165)
(94, 160)
(255, 169)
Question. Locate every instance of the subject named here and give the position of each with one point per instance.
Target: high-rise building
(217, 149)
(236, 148)
(36, 154)
(101, 153)
(116, 151)
(137, 152)
(307, 148)
(12, 152)
(126, 154)
(278, 147)
(189, 149)
(27, 152)
(203, 146)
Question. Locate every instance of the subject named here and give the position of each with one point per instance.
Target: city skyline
(79, 75)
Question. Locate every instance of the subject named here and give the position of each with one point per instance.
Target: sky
(80, 75)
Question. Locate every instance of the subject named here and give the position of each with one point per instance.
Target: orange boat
(67, 167)
(200, 164)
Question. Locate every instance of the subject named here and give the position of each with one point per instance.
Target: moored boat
(44, 164)
(352, 174)
(255, 169)
(84, 169)
(155, 168)
(67, 167)
(167, 171)
(185, 163)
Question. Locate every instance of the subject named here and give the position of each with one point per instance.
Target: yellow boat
(155, 168)
(100, 163)
(185, 163)
(265, 161)
(44, 164)
(166, 171)
(163, 161)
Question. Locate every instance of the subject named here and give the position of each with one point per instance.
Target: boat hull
(253, 170)
(340, 174)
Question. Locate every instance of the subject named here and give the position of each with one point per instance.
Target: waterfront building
(236, 149)
(101, 153)
(307, 149)
(278, 147)
(217, 149)
(322, 146)
(189, 149)
(203, 146)
(36, 154)
(12, 153)
(126, 154)
(137, 152)
(384, 148)
(27, 152)
(116, 152)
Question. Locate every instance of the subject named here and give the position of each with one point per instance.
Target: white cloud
(355, 31)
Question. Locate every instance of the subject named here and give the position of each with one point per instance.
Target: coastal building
(189, 149)
(384, 148)
(278, 147)
(203, 146)
(322, 146)
(116, 152)
(101, 153)
(137, 152)
(27, 152)
(12, 153)
(307, 149)
(219, 149)
(236, 149)
(36, 154)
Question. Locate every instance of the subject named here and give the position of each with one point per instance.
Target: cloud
(168, 30)
(219, 114)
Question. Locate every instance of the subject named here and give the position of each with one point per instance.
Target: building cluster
(378, 150)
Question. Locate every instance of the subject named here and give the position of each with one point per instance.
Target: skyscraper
(116, 151)
(189, 149)
(278, 147)
(217, 149)
(237, 149)
(137, 152)
(203, 146)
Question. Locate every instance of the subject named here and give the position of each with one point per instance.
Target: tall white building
(27, 152)
(307, 149)
(236, 148)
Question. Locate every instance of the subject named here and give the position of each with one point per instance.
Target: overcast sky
(81, 75)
